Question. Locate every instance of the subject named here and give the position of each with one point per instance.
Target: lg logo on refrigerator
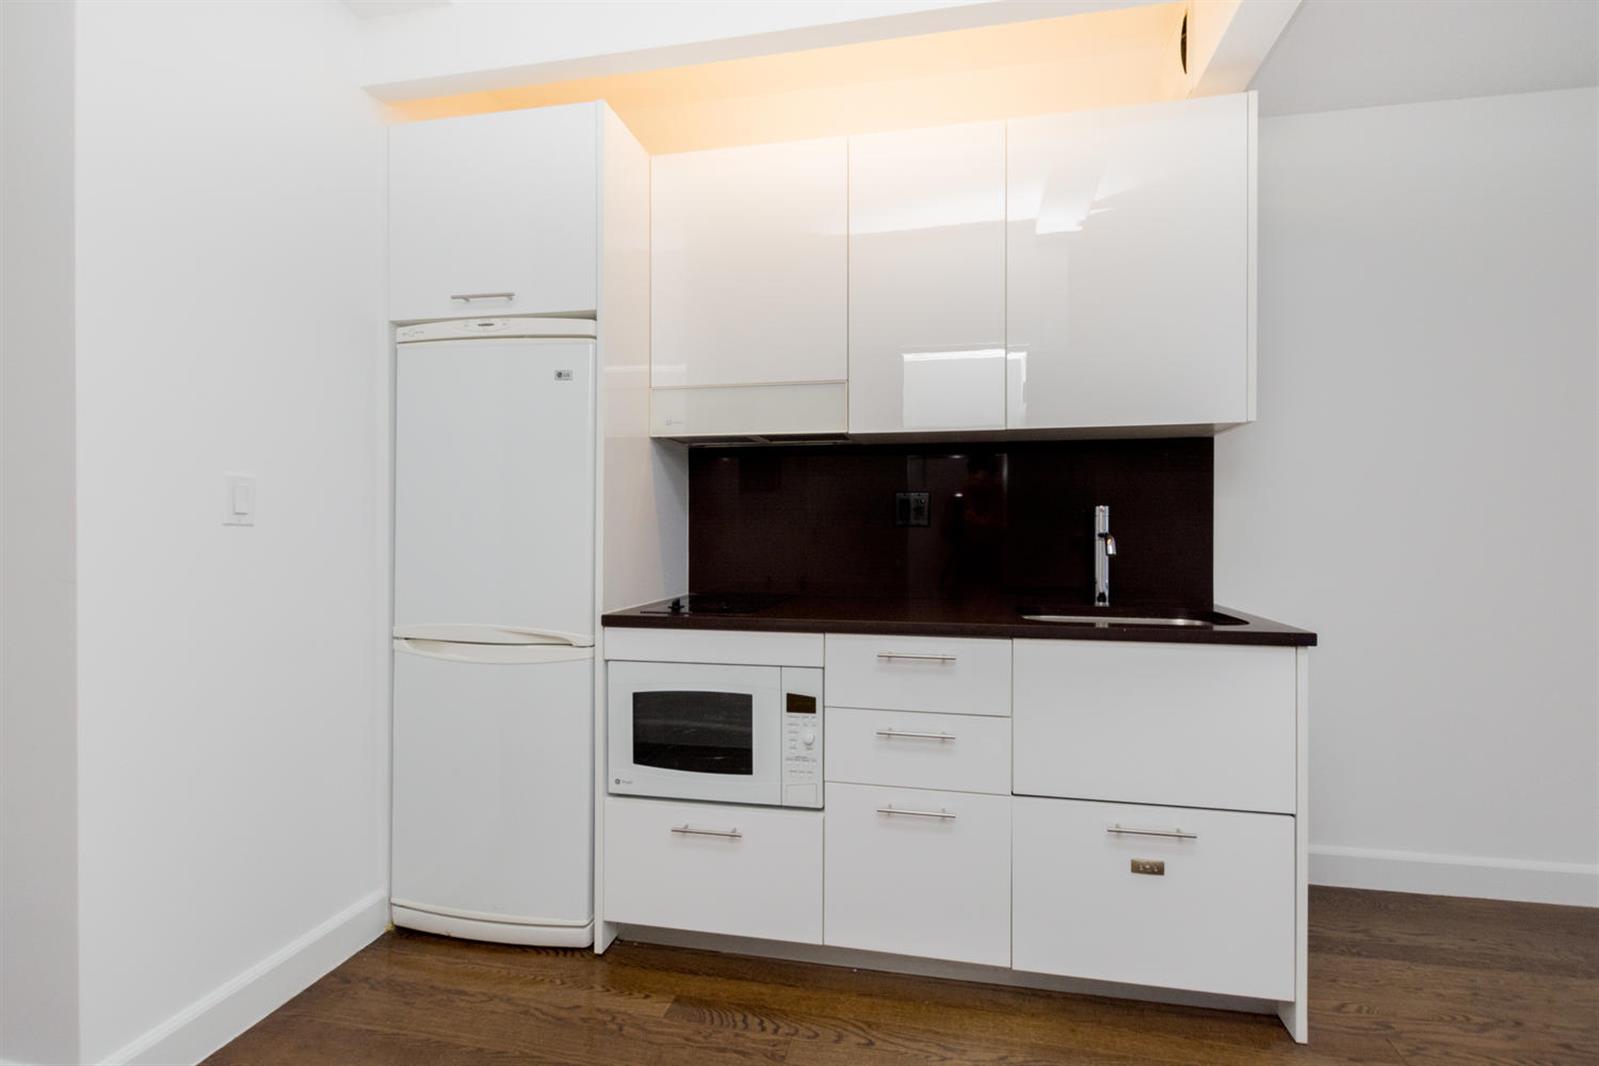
(563, 375)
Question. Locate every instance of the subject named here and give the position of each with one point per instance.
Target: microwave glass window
(696, 732)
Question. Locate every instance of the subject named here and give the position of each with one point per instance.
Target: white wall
(1421, 486)
(1363, 53)
(233, 717)
(38, 745)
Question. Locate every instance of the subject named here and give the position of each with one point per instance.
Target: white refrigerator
(494, 619)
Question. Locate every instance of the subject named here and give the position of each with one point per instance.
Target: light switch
(240, 510)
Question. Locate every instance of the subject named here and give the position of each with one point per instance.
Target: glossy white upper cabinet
(494, 214)
(927, 280)
(1130, 266)
(749, 266)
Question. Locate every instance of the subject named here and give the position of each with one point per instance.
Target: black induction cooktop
(730, 604)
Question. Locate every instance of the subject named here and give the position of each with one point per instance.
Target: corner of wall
(39, 995)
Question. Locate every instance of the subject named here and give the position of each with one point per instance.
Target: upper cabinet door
(1130, 291)
(749, 265)
(494, 214)
(927, 280)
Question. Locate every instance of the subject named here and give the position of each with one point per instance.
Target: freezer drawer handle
(468, 297)
(941, 814)
(889, 656)
(689, 831)
(892, 733)
(1171, 834)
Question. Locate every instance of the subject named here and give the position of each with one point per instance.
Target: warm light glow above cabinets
(1101, 59)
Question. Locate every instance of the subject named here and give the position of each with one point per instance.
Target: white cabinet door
(749, 265)
(919, 873)
(501, 209)
(1102, 893)
(1191, 725)
(957, 752)
(714, 868)
(937, 675)
(1130, 240)
(927, 279)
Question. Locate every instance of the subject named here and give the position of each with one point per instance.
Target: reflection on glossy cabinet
(1130, 246)
(494, 214)
(927, 279)
(749, 265)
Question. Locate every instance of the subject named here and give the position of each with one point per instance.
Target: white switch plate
(239, 506)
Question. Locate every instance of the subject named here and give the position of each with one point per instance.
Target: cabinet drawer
(959, 752)
(1183, 724)
(934, 884)
(747, 871)
(919, 674)
(1218, 916)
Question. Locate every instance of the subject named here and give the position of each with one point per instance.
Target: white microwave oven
(724, 734)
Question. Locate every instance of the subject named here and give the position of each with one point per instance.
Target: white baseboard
(1574, 884)
(216, 1018)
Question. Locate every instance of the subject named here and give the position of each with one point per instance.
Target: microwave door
(683, 731)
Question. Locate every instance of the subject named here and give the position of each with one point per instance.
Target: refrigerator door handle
(506, 654)
(471, 633)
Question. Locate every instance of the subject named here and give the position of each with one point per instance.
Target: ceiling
(1338, 54)
(1099, 59)
(374, 9)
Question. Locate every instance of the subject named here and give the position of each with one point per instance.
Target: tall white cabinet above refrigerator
(494, 621)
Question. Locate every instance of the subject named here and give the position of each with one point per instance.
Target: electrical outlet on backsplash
(953, 520)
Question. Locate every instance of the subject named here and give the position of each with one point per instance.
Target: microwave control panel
(802, 737)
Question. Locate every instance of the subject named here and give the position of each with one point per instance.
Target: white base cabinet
(1165, 847)
(907, 749)
(931, 674)
(742, 871)
(1191, 725)
(918, 872)
(1103, 892)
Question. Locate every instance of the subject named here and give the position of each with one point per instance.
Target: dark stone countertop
(989, 616)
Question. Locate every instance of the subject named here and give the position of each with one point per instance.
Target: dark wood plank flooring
(1394, 979)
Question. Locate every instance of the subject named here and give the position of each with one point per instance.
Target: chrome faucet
(1104, 548)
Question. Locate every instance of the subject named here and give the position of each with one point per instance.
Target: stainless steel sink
(1133, 620)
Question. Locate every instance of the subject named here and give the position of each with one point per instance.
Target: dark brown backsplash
(1010, 518)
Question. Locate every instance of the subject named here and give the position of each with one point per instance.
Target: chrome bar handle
(1171, 834)
(892, 733)
(919, 658)
(689, 831)
(940, 814)
(468, 297)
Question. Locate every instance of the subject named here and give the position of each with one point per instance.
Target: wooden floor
(1394, 979)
